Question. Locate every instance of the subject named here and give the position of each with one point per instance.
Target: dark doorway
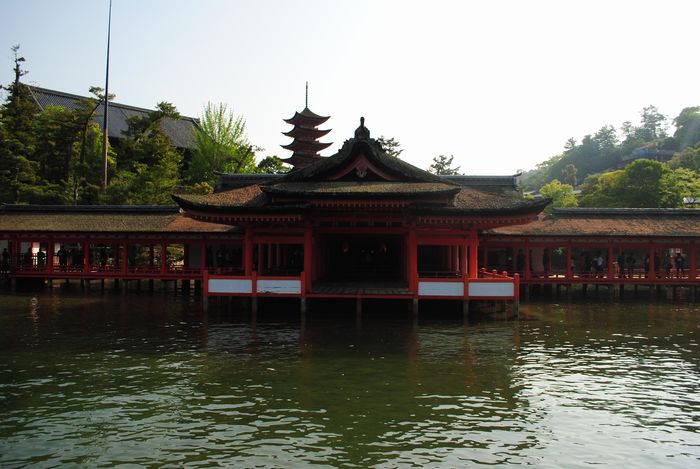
(363, 258)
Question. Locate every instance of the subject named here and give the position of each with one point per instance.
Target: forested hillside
(644, 165)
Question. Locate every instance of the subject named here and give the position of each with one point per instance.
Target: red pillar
(412, 257)
(308, 256)
(49, 257)
(125, 258)
(652, 264)
(464, 260)
(473, 254)
(693, 261)
(203, 264)
(163, 258)
(569, 254)
(86, 256)
(248, 252)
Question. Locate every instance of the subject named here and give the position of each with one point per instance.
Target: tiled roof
(180, 131)
(474, 200)
(347, 189)
(102, 219)
(611, 222)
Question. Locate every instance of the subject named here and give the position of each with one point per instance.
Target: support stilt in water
(465, 308)
(205, 303)
(414, 308)
(358, 306)
(254, 305)
(302, 305)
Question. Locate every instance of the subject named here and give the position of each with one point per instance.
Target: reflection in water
(102, 380)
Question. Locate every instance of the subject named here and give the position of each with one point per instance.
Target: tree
(569, 173)
(602, 190)
(642, 182)
(653, 125)
(677, 185)
(687, 127)
(562, 195)
(442, 165)
(688, 158)
(391, 147)
(148, 167)
(272, 165)
(17, 138)
(221, 146)
(570, 144)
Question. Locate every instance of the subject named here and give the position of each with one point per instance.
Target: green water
(149, 380)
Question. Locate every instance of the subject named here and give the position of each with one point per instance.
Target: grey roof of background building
(180, 131)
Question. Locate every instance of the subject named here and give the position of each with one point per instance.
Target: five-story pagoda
(305, 146)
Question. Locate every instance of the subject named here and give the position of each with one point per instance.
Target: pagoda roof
(627, 222)
(306, 133)
(302, 146)
(307, 117)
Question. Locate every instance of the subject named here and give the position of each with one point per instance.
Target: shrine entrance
(360, 258)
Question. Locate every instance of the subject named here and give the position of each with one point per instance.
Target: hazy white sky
(501, 85)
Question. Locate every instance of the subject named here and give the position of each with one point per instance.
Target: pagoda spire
(305, 146)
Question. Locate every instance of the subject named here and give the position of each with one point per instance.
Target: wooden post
(527, 260)
(86, 256)
(125, 259)
(203, 254)
(163, 258)
(473, 254)
(412, 255)
(248, 252)
(49, 257)
(652, 263)
(308, 256)
(693, 262)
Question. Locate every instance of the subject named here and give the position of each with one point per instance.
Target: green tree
(221, 146)
(687, 127)
(17, 138)
(569, 173)
(562, 195)
(688, 158)
(391, 146)
(677, 185)
(272, 165)
(148, 166)
(653, 125)
(602, 190)
(643, 182)
(442, 165)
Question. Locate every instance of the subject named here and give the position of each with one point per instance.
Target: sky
(501, 85)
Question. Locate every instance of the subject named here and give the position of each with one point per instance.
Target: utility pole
(105, 131)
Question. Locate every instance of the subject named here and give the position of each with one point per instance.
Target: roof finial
(362, 132)
(307, 95)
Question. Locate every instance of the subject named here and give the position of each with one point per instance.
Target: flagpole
(106, 100)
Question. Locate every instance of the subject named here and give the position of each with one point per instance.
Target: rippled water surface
(152, 381)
